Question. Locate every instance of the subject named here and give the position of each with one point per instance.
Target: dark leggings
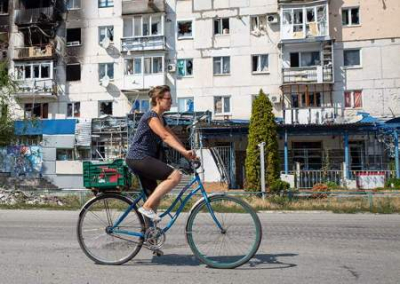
(149, 170)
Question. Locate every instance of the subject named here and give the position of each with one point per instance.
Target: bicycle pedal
(158, 252)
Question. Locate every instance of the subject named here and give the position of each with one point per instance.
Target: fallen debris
(13, 197)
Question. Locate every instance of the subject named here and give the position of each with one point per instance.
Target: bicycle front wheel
(95, 237)
(234, 243)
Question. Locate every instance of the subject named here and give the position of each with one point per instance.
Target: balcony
(143, 82)
(34, 52)
(142, 6)
(305, 22)
(43, 88)
(35, 16)
(314, 115)
(143, 43)
(317, 74)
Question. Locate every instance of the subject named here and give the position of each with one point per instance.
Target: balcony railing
(34, 52)
(33, 16)
(143, 43)
(142, 6)
(318, 74)
(317, 115)
(37, 88)
(143, 82)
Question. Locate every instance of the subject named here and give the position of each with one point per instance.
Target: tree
(7, 88)
(262, 129)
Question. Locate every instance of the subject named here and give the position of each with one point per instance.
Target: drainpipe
(396, 153)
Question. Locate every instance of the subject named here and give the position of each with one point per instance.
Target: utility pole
(262, 166)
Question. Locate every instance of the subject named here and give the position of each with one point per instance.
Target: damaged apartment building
(330, 68)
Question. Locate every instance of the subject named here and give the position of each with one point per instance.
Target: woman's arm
(173, 134)
(169, 138)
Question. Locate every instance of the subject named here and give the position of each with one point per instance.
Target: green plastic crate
(106, 175)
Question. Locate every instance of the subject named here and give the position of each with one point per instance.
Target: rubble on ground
(14, 197)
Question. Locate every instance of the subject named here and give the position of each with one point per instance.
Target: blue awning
(45, 126)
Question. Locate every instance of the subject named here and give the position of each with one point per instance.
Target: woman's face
(165, 102)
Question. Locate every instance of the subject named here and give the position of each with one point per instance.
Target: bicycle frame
(196, 179)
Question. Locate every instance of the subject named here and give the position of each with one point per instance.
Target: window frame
(360, 58)
(2, 8)
(350, 23)
(352, 99)
(220, 27)
(185, 102)
(106, 64)
(177, 29)
(133, 59)
(73, 43)
(42, 112)
(112, 107)
(222, 66)
(73, 109)
(74, 8)
(152, 65)
(185, 60)
(70, 153)
(223, 98)
(31, 64)
(300, 61)
(100, 35)
(108, 4)
(80, 72)
(259, 56)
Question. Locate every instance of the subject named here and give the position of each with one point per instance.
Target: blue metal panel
(49, 127)
(347, 154)
(286, 154)
(396, 153)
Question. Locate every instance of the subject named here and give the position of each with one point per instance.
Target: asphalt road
(41, 247)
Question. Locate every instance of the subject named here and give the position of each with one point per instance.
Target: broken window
(258, 24)
(33, 71)
(185, 67)
(140, 106)
(155, 25)
(222, 65)
(74, 72)
(146, 26)
(108, 32)
(153, 65)
(353, 99)
(350, 16)
(73, 37)
(222, 105)
(106, 69)
(305, 59)
(221, 26)
(133, 66)
(36, 110)
(73, 4)
(352, 58)
(106, 108)
(64, 155)
(4, 7)
(185, 29)
(308, 154)
(106, 3)
(74, 109)
(260, 63)
(298, 21)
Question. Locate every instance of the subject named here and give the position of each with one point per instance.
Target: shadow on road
(260, 261)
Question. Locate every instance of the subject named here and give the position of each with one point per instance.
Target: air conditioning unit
(275, 99)
(272, 18)
(171, 68)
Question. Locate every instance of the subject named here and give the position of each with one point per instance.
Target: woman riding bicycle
(144, 152)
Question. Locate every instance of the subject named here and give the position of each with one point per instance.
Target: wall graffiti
(21, 160)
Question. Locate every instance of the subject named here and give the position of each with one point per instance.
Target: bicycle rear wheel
(93, 229)
(234, 244)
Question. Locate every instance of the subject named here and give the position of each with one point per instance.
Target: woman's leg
(162, 189)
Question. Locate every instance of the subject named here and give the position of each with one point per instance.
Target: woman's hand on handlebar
(190, 155)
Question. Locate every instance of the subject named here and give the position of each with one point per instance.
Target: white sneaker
(149, 213)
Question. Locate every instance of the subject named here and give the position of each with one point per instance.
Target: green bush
(277, 186)
(394, 181)
(332, 185)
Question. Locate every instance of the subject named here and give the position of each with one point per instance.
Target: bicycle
(119, 231)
